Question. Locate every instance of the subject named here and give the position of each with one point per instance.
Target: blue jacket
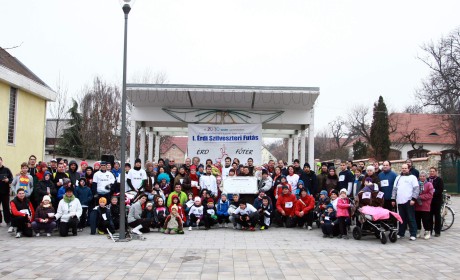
(83, 194)
(61, 193)
(222, 207)
(389, 176)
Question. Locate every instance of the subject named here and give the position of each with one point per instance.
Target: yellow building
(23, 99)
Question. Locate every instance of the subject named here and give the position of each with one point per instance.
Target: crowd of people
(69, 196)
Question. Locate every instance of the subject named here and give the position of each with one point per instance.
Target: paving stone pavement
(230, 254)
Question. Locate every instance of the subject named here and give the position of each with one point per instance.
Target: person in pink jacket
(423, 206)
(343, 213)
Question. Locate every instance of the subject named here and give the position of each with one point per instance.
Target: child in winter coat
(44, 217)
(160, 213)
(180, 210)
(343, 213)
(265, 213)
(210, 217)
(173, 223)
(328, 220)
(115, 212)
(222, 211)
(84, 194)
(196, 213)
(148, 214)
(101, 218)
(323, 201)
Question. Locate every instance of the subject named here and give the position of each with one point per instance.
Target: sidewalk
(230, 254)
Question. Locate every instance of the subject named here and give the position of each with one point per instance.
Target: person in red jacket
(285, 208)
(22, 214)
(304, 209)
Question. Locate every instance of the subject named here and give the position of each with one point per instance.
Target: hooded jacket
(42, 188)
(73, 175)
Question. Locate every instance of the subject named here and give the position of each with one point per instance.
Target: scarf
(68, 199)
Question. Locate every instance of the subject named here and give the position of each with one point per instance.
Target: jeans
(407, 213)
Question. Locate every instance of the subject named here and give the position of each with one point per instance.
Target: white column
(132, 144)
(150, 149)
(302, 148)
(142, 145)
(311, 141)
(289, 159)
(157, 147)
(296, 147)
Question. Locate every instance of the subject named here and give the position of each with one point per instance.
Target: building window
(12, 115)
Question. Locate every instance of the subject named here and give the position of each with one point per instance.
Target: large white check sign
(240, 185)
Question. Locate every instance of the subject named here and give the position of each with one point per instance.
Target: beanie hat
(323, 164)
(333, 191)
(197, 199)
(103, 163)
(224, 194)
(329, 206)
(137, 160)
(46, 197)
(306, 165)
(128, 164)
(343, 190)
(47, 173)
(149, 204)
(83, 162)
(210, 200)
(103, 200)
(97, 164)
(43, 164)
(300, 182)
(323, 192)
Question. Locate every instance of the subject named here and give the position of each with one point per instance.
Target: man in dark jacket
(6, 177)
(346, 178)
(436, 202)
(73, 172)
(309, 179)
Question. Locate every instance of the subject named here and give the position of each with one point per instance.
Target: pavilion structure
(167, 109)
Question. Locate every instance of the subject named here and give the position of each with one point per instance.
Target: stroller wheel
(357, 233)
(392, 236)
(383, 238)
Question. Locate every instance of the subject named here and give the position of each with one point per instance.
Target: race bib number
(384, 183)
(342, 178)
(366, 195)
(104, 216)
(380, 195)
(327, 218)
(25, 211)
(288, 204)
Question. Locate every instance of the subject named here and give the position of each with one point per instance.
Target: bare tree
(58, 112)
(440, 91)
(101, 111)
(340, 133)
(359, 122)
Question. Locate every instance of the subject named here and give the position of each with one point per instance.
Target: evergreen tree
(359, 150)
(71, 142)
(380, 134)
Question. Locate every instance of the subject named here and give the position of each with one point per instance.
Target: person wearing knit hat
(42, 168)
(304, 209)
(137, 177)
(310, 180)
(101, 218)
(323, 200)
(46, 187)
(196, 213)
(96, 166)
(83, 165)
(173, 223)
(210, 214)
(343, 213)
(44, 217)
(69, 211)
(285, 206)
(328, 222)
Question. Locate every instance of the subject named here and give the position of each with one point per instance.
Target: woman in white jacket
(69, 211)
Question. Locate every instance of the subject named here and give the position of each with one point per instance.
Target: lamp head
(126, 5)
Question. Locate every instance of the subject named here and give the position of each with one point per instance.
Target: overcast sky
(353, 50)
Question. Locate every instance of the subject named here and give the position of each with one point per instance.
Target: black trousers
(223, 219)
(436, 215)
(253, 218)
(83, 217)
(280, 219)
(5, 201)
(306, 218)
(327, 229)
(65, 226)
(146, 223)
(23, 225)
(342, 225)
(209, 221)
(425, 218)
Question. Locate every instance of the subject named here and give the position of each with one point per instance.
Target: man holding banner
(209, 181)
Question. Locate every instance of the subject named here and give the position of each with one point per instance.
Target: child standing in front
(328, 220)
(343, 213)
(84, 194)
(196, 213)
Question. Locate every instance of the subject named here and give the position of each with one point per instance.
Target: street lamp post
(126, 6)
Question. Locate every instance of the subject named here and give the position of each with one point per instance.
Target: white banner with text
(216, 142)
